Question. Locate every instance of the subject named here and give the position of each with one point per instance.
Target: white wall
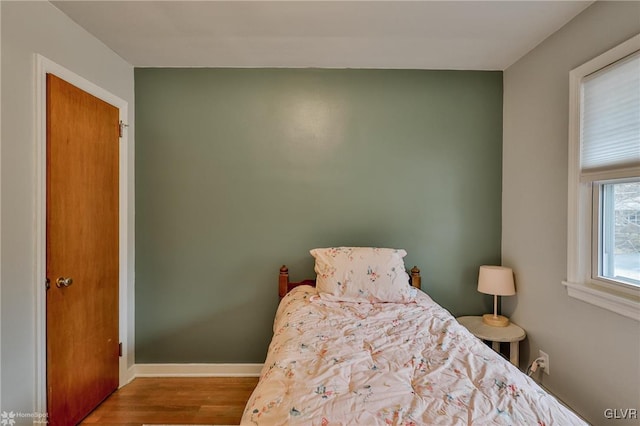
(594, 353)
(29, 28)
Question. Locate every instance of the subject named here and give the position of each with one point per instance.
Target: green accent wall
(239, 171)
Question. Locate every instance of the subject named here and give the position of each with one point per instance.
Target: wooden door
(82, 246)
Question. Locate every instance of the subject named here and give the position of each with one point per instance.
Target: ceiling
(472, 35)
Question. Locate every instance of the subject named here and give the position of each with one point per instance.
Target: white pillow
(362, 274)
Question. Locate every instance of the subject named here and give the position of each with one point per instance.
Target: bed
(360, 346)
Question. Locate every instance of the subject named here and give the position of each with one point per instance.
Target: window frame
(583, 200)
(600, 197)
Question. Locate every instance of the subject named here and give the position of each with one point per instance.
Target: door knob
(64, 282)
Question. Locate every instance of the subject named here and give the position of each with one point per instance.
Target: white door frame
(44, 66)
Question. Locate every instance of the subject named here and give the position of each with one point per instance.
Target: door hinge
(120, 349)
(121, 126)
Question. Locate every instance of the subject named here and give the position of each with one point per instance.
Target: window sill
(623, 304)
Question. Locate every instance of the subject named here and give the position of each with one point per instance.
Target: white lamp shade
(496, 280)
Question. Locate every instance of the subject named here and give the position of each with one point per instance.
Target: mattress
(345, 363)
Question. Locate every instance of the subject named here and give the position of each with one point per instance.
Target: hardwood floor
(176, 400)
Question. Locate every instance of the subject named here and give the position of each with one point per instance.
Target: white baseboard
(129, 376)
(196, 370)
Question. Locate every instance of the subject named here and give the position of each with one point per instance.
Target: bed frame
(284, 286)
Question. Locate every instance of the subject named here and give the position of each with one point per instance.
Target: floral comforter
(341, 363)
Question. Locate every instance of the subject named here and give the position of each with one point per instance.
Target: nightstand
(496, 335)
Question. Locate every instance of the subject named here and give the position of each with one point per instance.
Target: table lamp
(498, 281)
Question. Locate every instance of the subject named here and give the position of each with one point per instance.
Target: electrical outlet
(545, 357)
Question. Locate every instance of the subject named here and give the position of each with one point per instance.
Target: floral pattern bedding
(344, 363)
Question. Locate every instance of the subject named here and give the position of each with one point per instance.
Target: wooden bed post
(283, 281)
(416, 279)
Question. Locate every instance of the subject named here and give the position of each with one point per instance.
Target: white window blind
(610, 118)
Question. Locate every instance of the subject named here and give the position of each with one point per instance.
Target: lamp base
(497, 321)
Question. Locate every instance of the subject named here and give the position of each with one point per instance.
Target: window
(618, 235)
(604, 181)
